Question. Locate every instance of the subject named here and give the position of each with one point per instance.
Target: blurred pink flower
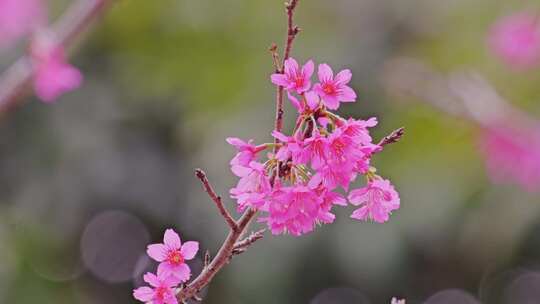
(294, 78)
(516, 40)
(512, 153)
(19, 18)
(378, 200)
(172, 255)
(334, 90)
(162, 291)
(53, 76)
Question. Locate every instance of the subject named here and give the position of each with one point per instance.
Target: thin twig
(393, 137)
(275, 57)
(221, 259)
(216, 198)
(74, 22)
(292, 30)
(241, 246)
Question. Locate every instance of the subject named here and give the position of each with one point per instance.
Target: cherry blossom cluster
(296, 188)
(52, 74)
(172, 269)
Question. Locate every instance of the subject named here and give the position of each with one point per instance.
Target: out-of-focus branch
(74, 22)
(216, 198)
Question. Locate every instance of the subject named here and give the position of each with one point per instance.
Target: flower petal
(343, 77)
(325, 72)
(182, 272)
(360, 213)
(143, 294)
(151, 279)
(237, 142)
(189, 250)
(172, 239)
(331, 102)
(308, 68)
(290, 66)
(157, 252)
(347, 94)
(279, 79)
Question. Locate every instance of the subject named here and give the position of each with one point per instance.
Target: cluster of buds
(296, 187)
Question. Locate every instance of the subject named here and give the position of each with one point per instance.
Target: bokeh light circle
(112, 244)
(340, 295)
(452, 296)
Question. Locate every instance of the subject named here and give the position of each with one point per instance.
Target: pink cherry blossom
(516, 40)
(161, 290)
(247, 153)
(512, 153)
(334, 90)
(53, 76)
(341, 147)
(294, 78)
(172, 255)
(19, 18)
(252, 187)
(378, 200)
(295, 210)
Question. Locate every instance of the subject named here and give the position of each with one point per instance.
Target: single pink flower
(334, 90)
(512, 154)
(53, 76)
(516, 40)
(378, 200)
(253, 186)
(247, 152)
(172, 255)
(19, 18)
(161, 290)
(294, 78)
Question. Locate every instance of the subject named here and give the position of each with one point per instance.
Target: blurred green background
(87, 182)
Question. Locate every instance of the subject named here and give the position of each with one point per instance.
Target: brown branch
(75, 21)
(275, 57)
(242, 246)
(216, 198)
(292, 31)
(221, 259)
(393, 137)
